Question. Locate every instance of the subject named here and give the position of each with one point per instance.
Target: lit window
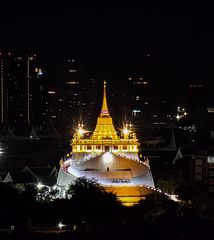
(72, 83)
(138, 83)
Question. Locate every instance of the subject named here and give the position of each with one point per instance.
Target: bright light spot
(174, 197)
(51, 92)
(80, 131)
(1, 150)
(75, 227)
(178, 117)
(126, 131)
(60, 225)
(40, 185)
(210, 159)
(107, 157)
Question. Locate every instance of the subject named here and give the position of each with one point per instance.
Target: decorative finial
(104, 111)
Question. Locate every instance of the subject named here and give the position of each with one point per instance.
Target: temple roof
(104, 128)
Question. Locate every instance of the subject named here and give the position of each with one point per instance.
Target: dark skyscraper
(21, 90)
(138, 89)
(71, 86)
(38, 97)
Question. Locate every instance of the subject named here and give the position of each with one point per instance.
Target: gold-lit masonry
(104, 137)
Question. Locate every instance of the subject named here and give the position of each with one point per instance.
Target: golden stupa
(111, 159)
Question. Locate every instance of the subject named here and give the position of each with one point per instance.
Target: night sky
(178, 38)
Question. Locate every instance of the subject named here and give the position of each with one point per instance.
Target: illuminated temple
(109, 158)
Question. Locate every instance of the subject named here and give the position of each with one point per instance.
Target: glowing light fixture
(60, 225)
(126, 131)
(178, 117)
(40, 185)
(174, 198)
(107, 157)
(1, 150)
(80, 131)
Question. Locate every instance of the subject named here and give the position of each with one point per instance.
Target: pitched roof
(22, 177)
(47, 175)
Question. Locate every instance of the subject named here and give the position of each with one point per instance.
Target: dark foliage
(91, 200)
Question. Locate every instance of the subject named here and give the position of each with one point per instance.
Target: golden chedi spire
(104, 110)
(104, 128)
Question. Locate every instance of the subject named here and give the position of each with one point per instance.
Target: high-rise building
(70, 85)
(88, 99)
(197, 101)
(138, 91)
(38, 97)
(194, 90)
(63, 95)
(138, 96)
(202, 169)
(22, 90)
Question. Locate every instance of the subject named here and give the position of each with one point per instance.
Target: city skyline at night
(107, 121)
(175, 41)
(176, 37)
